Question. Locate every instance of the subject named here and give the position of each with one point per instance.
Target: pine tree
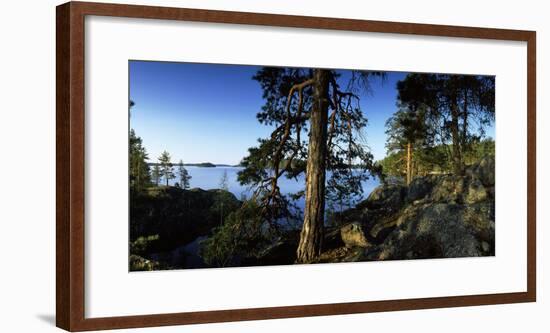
(183, 175)
(166, 169)
(139, 169)
(311, 102)
(224, 181)
(406, 132)
(222, 197)
(452, 104)
(156, 174)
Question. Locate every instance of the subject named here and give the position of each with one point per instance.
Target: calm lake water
(209, 178)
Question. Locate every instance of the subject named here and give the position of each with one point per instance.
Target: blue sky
(207, 112)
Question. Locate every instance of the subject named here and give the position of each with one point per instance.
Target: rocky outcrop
(166, 218)
(437, 216)
(438, 230)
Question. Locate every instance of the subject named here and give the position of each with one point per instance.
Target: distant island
(202, 165)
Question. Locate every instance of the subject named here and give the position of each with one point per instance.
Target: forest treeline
(319, 128)
(440, 123)
(425, 161)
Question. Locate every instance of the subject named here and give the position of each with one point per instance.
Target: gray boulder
(441, 230)
(485, 171)
(353, 236)
(476, 192)
(388, 197)
(419, 188)
(448, 188)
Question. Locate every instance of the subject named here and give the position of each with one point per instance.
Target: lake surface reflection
(210, 178)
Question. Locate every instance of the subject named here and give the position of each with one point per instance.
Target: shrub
(241, 235)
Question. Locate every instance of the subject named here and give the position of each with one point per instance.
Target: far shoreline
(201, 165)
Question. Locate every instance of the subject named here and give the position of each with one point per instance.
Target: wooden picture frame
(70, 194)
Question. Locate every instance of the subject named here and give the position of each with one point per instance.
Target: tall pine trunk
(409, 162)
(311, 237)
(455, 137)
(465, 122)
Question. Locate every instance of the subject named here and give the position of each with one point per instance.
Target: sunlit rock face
(437, 216)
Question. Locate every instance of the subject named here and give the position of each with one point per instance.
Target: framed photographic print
(221, 166)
